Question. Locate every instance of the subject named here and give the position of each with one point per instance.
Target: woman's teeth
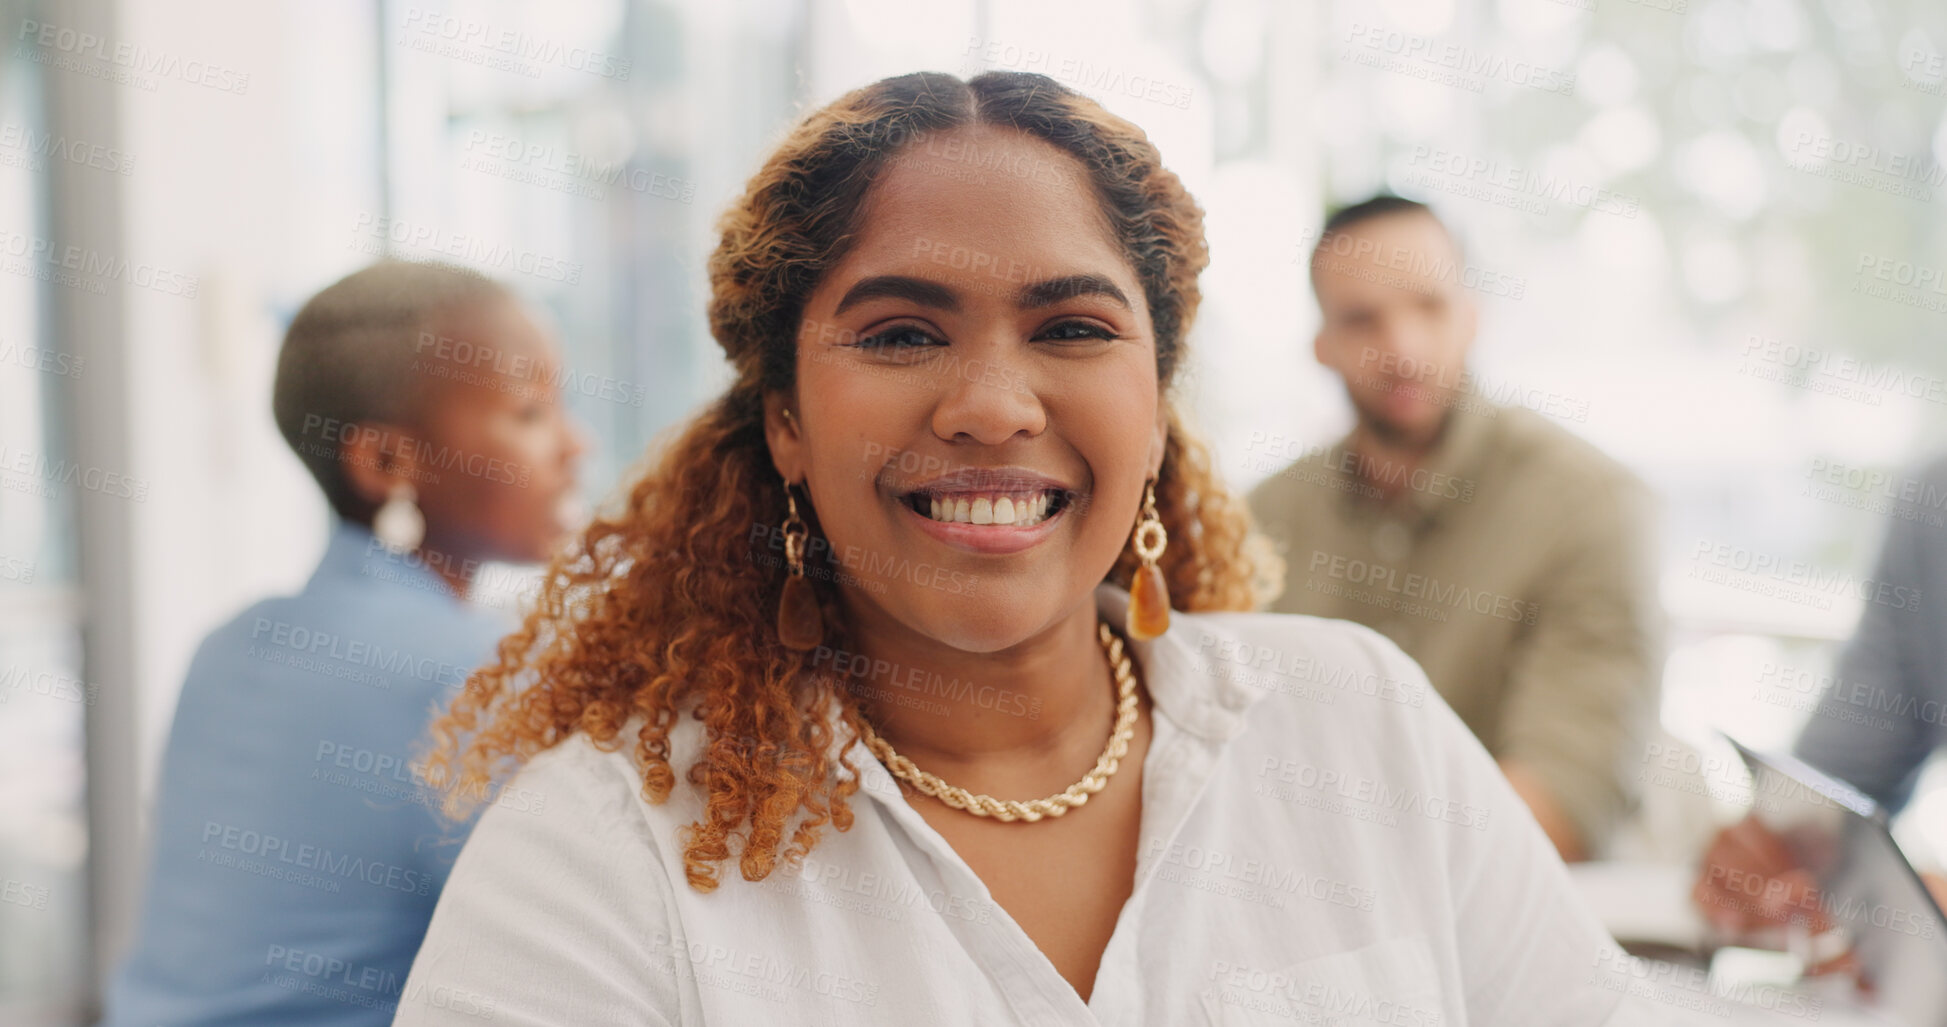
(1018, 509)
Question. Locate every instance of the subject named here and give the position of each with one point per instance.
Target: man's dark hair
(1380, 206)
(347, 360)
(1372, 209)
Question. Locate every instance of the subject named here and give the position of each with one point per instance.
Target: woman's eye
(903, 337)
(1070, 331)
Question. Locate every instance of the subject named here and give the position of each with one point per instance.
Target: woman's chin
(538, 545)
(570, 516)
(974, 623)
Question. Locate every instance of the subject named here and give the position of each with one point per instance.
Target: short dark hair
(1372, 209)
(347, 359)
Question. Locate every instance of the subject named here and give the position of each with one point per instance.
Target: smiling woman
(894, 561)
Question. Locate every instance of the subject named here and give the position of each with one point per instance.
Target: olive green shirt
(1515, 566)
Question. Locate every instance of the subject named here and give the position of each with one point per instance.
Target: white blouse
(1322, 842)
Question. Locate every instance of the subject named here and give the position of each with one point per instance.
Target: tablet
(1867, 889)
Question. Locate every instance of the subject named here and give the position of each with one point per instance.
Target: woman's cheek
(541, 437)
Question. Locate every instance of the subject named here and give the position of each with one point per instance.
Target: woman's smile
(988, 510)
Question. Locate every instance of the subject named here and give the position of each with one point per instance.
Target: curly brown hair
(661, 608)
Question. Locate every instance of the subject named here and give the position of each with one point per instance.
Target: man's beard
(1391, 433)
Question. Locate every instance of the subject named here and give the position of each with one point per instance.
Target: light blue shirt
(296, 854)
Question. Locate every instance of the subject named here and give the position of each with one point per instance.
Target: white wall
(253, 194)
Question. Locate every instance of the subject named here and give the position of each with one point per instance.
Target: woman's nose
(986, 400)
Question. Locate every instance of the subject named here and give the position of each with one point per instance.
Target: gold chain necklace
(1054, 805)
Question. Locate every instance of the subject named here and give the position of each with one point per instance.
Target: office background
(1707, 235)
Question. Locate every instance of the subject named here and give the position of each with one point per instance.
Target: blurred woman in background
(296, 855)
(924, 554)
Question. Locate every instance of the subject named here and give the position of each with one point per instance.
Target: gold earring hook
(1150, 536)
(796, 533)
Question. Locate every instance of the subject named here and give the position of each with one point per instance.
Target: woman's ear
(1160, 441)
(784, 432)
(376, 457)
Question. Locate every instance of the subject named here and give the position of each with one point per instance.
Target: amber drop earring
(1149, 594)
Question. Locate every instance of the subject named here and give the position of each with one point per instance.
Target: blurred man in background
(1506, 555)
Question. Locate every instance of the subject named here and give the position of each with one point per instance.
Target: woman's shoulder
(1333, 715)
(564, 878)
(582, 777)
(1333, 688)
(1250, 657)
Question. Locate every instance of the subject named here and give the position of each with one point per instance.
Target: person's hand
(1752, 891)
(1938, 886)
(1750, 880)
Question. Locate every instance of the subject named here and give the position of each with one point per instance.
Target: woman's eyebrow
(1054, 290)
(900, 287)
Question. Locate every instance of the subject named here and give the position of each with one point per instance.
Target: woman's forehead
(986, 201)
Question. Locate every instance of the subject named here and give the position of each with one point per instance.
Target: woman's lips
(993, 539)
